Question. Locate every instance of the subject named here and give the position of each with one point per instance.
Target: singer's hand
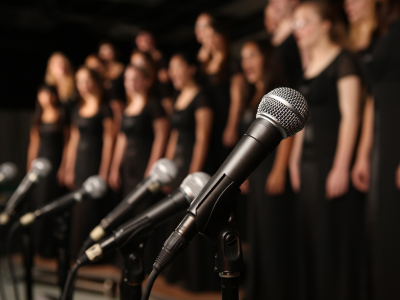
(245, 187)
(360, 175)
(230, 137)
(276, 182)
(69, 180)
(337, 183)
(114, 180)
(295, 180)
(398, 177)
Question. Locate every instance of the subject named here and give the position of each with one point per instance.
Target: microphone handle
(20, 193)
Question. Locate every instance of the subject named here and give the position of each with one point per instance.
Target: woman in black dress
(332, 240)
(60, 73)
(144, 133)
(224, 85)
(271, 203)
(48, 136)
(89, 151)
(188, 146)
(377, 166)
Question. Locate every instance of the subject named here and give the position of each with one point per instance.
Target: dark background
(30, 30)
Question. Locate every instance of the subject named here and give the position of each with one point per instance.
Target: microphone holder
(133, 272)
(61, 233)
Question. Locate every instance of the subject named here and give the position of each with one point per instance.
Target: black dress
(194, 268)
(115, 88)
(51, 147)
(271, 233)
(86, 215)
(383, 208)
(217, 89)
(290, 57)
(139, 133)
(332, 237)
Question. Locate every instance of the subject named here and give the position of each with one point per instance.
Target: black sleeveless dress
(383, 205)
(86, 215)
(51, 147)
(271, 234)
(194, 268)
(290, 56)
(332, 235)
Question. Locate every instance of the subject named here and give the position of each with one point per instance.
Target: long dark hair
(273, 72)
(387, 14)
(37, 116)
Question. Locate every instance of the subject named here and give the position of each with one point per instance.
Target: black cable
(68, 287)
(9, 244)
(149, 284)
(88, 242)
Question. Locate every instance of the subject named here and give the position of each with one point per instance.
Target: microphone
(93, 188)
(144, 224)
(40, 168)
(8, 171)
(281, 114)
(163, 172)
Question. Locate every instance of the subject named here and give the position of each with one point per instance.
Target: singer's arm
(173, 139)
(33, 149)
(204, 119)
(71, 157)
(63, 165)
(276, 180)
(361, 171)
(114, 180)
(349, 92)
(161, 130)
(108, 141)
(230, 135)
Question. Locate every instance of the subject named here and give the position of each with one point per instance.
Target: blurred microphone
(93, 188)
(163, 172)
(40, 168)
(8, 171)
(282, 113)
(143, 225)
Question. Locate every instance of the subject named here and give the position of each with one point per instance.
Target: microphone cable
(149, 284)
(68, 287)
(9, 250)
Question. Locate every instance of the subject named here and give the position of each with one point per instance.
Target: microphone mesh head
(41, 166)
(9, 170)
(95, 186)
(164, 171)
(286, 108)
(194, 183)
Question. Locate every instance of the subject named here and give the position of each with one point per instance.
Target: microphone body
(40, 168)
(93, 188)
(281, 114)
(163, 173)
(144, 224)
(8, 171)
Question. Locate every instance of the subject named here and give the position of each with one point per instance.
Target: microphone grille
(95, 186)
(286, 108)
(9, 170)
(194, 183)
(164, 171)
(41, 166)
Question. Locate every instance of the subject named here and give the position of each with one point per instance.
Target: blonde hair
(66, 88)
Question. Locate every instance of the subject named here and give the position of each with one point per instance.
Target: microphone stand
(133, 271)
(228, 259)
(27, 253)
(61, 233)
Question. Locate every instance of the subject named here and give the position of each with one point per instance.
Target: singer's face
(85, 83)
(134, 81)
(57, 66)
(138, 60)
(358, 10)
(45, 98)
(144, 42)
(106, 52)
(179, 72)
(308, 26)
(95, 63)
(202, 22)
(252, 62)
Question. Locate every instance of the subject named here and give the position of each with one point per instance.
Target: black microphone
(93, 188)
(163, 172)
(281, 114)
(40, 168)
(8, 171)
(144, 224)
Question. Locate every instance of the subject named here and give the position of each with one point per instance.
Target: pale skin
(89, 108)
(137, 88)
(315, 38)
